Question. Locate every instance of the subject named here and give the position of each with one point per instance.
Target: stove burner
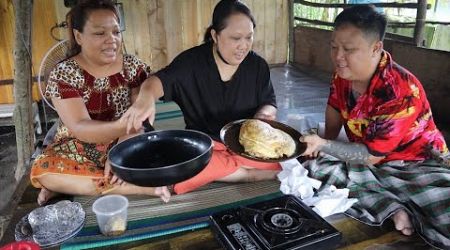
(279, 220)
(282, 223)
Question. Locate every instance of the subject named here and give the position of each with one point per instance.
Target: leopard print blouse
(106, 98)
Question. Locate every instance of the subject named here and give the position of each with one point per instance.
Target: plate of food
(262, 140)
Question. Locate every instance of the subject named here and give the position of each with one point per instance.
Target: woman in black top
(220, 81)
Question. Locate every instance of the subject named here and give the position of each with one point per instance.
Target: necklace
(221, 57)
(226, 70)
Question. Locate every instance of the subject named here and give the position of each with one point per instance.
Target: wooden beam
(291, 31)
(23, 10)
(390, 24)
(15, 198)
(419, 28)
(11, 81)
(343, 5)
(412, 24)
(318, 22)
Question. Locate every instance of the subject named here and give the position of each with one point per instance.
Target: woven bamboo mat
(149, 217)
(213, 195)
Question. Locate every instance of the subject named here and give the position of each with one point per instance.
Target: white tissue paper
(295, 181)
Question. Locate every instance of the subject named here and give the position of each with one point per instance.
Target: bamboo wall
(156, 31)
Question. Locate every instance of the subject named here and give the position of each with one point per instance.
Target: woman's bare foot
(163, 193)
(44, 196)
(402, 222)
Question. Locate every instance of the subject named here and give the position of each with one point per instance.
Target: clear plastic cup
(111, 212)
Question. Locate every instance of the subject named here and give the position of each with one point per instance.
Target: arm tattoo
(346, 151)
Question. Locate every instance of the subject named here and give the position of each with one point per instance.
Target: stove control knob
(227, 217)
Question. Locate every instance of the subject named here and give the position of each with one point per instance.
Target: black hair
(77, 16)
(223, 10)
(366, 18)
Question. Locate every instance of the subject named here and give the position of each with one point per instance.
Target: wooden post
(23, 11)
(291, 35)
(419, 28)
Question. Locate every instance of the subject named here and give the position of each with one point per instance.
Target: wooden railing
(419, 24)
(345, 5)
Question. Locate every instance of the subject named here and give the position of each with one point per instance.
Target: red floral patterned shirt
(106, 98)
(393, 118)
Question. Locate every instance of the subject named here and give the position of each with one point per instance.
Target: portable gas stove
(283, 223)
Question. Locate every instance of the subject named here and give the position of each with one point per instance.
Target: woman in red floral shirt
(90, 91)
(394, 163)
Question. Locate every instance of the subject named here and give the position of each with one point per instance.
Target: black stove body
(283, 223)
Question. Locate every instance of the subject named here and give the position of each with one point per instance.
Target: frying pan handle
(147, 126)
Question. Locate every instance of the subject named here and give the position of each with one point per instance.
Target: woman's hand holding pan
(138, 113)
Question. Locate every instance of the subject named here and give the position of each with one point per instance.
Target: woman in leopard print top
(90, 91)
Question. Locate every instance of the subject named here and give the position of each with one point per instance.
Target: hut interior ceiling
(156, 31)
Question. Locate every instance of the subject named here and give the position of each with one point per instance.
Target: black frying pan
(160, 158)
(229, 135)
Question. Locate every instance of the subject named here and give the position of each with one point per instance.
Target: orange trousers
(222, 163)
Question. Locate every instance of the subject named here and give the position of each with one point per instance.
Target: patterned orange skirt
(70, 156)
